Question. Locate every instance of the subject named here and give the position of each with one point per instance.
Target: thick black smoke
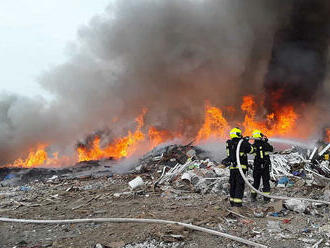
(168, 56)
(299, 60)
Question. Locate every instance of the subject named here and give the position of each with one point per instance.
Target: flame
(157, 137)
(125, 146)
(215, 125)
(279, 123)
(120, 147)
(250, 123)
(286, 121)
(327, 135)
(39, 157)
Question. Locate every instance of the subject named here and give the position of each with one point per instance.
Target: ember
(327, 135)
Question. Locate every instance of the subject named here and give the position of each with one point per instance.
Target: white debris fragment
(326, 195)
(296, 205)
(221, 172)
(325, 229)
(136, 183)
(273, 226)
(186, 177)
(191, 153)
(282, 163)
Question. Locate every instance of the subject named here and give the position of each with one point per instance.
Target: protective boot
(253, 197)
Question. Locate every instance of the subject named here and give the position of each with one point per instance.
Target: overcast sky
(34, 35)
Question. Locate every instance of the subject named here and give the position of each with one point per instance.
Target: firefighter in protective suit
(261, 165)
(235, 180)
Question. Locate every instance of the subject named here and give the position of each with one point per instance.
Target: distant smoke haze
(168, 56)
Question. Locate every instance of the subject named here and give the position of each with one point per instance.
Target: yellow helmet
(257, 134)
(235, 133)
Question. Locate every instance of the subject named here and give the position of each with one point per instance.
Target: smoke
(298, 65)
(168, 56)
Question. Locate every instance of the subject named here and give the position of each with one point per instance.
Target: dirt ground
(96, 198)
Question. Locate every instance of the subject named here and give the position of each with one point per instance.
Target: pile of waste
(170, 156)
(295, 162)
(177, 167)
(286, 163)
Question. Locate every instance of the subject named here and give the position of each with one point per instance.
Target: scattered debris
(172, 182)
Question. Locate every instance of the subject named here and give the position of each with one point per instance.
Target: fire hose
(133, 220)
(261, 193)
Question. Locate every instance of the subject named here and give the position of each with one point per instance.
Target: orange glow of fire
(215, 125)
(327, 135)
(157, 137)
(39, 157)
(281, 122)
(250, 123)
(285, 121)
(125, 146)
(120, 147)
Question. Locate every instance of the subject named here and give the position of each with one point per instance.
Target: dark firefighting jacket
(231, 146)
(262, 150)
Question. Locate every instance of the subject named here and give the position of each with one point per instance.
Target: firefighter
(235, 180)
(325, 156)
(261, 165)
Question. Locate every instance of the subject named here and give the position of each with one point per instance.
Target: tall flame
(215, 125)
(286, 121)
(281, 122)
(249, 107)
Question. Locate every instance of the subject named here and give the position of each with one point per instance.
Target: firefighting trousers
(236, 187)
(263, 174)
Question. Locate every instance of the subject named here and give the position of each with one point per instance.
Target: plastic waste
(283, 180)
(136, 183)
(296, 205)
(9, 176)
(24, 188)
(273, 226)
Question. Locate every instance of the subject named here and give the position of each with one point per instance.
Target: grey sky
(34, 35)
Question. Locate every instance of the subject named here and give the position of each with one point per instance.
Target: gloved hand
(225, 162)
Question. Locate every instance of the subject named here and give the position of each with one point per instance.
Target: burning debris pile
(215, 126)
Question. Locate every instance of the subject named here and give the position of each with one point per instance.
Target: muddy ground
(89, 197)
